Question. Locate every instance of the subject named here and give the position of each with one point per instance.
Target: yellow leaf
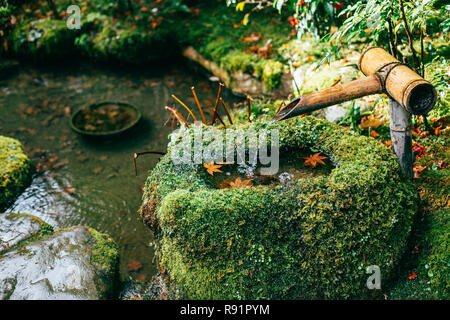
(211, 167)
(371, 122)
(245, 20)
(240, 6)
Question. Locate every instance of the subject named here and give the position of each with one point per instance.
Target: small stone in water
(285, 177)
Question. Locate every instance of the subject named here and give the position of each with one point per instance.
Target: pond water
(85, 182)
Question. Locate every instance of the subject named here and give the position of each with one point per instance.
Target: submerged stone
(15, 228)
(15, 170)
(76, 263)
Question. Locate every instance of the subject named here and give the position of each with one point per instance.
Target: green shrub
(106, 41)
(307, 239)
(270, 71)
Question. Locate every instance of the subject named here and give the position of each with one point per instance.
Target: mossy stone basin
(105, 119)
(309, 239)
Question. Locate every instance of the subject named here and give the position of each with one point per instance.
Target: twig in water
(198, 105)
(226, 111)
(217, 103)
(173, 96)
(220, 119)
(137, 154)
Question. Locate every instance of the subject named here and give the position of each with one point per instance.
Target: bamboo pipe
(385, 74)
(330, 96)
(400, 82)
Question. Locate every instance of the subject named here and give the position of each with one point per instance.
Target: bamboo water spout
(408, 94)
(385, 74)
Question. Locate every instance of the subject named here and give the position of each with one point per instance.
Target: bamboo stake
(226, 111)
(173, 96)
(216, 104)
(198, 105)
(401, 137)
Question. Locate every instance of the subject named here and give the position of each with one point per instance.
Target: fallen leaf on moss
(238, 183)
(314, 160)
(417, 170)
(253, 37)
(412, 276)
(374, 134)
(437, 131)
(211, 167)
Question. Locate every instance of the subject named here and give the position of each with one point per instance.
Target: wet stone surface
(14, 228)
(56, 267)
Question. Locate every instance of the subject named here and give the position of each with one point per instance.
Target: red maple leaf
(412, 276)
(314, 160)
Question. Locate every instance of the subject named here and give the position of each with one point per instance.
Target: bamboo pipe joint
(400, 82)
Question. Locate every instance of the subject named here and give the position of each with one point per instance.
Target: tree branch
(410, 39)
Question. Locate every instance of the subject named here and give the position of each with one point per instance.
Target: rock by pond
(15, 228)
(15, 170)
(311, 238)
(75, 263)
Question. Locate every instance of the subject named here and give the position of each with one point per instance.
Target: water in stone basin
(83, 182)
(292, 167)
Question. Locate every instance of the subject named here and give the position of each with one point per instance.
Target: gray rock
(17, 227)
(76, 263)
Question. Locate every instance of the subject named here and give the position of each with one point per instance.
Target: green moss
(310, 239)
(42, 39)
(15, 170)
(44, 230)
(105, 255)
(429, 255)
(430, 262)
(107, 41)
(270, 72)
(105, 252)
(238, 61)
(218, 35)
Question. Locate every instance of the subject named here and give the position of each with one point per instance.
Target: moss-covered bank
(308, 239)
(15, 170)
(425, 268)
